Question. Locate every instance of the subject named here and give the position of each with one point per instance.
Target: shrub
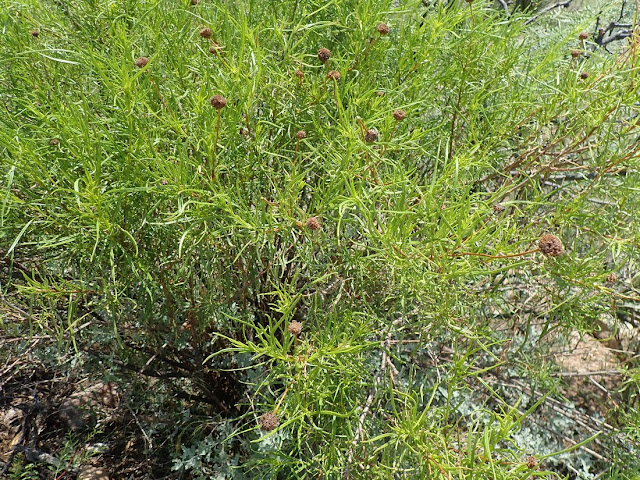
(183, 215)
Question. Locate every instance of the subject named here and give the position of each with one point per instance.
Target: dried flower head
(497, 208)
(371, 135)
(194, 2)
(295, 328)
(218, 102)
(324, 54)
(141, 62)
(532, 462)
(334, 75)
(383, 28)
(550, 245)
(313, 223)
(269, 421)
(301, 134)
(399, 115)
(299, 73)
(205, 32)
(612, 278)
(584, 75)
(215, 49)
(583, 35)
(380, 93)
(576, 53)
(54, 141)
(34, 33)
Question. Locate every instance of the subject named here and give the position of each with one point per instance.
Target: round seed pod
(383, 28)
(612, 278)
(324, 54)
(141, 62)
(532, 462)
(295, 328)
(206, 32)
(399, 115)
(54, 141)
(299, 73)
(380, 93)
(301, 134)
(34, 33)
(371, 135)
(497, 208)
(334, 75)
(576, 53)
(215, 49)
(194, 2)
(583, 35)
(313, 223)
(218, 102)
(550, 245)
(584, 75)
(269, 421)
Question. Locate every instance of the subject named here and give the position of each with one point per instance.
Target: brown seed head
(205, 32)
(34, 33)
(380, 93)
(576, 53)
(324, 54)
(334, 75)
(371, 135)
(194, 2)
(399, 115)
(532, 462)
(295, 328)
(612, 278)
(299, 73)
(301, 134)
(497, 208)
(269, 421)
(583, 35)
(383, 28)
(54, 141)
(218, 102)
(215, 48)
(550, 245)
(313, 223)
(141, 62)
(584, 75)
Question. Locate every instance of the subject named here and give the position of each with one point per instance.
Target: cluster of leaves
(184, 234)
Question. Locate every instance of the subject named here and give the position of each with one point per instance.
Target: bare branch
(563, 3)
(504, 5)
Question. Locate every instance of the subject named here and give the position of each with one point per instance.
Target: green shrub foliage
(191, 205)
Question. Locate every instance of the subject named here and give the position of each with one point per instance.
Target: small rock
(76, 410)
(92, 473)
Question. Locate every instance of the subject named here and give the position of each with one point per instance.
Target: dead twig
(563, 3)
